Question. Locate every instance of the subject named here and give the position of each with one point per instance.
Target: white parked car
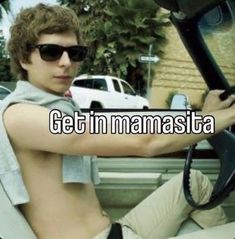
(103, 91)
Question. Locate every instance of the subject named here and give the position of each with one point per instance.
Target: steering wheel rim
(224, 146)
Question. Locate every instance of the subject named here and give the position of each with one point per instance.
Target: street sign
(149, 59)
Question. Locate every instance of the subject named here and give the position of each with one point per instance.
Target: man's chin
(59, 92)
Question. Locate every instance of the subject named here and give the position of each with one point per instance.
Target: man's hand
(214, 103)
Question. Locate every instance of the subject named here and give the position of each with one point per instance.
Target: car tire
(96, 105)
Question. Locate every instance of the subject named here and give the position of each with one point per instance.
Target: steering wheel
(224, 146)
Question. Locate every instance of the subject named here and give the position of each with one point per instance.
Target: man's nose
(64, 59)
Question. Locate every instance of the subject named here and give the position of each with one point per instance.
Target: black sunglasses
(53, 52)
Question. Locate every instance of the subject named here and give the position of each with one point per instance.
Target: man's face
(52, 76)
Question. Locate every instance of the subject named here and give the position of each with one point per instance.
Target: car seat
(13, 224)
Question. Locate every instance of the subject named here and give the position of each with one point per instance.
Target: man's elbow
(152, 146)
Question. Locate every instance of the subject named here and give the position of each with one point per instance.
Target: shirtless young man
(72, 210)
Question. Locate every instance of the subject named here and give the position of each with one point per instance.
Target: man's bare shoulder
(17, 108)
(22, 115)
(27, 126)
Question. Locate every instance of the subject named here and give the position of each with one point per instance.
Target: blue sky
(16, 5)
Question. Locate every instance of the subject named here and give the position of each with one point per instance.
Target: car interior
(207, 31)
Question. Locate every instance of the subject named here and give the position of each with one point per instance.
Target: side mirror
(180, 102)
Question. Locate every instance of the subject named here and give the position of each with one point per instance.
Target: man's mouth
(64, 77)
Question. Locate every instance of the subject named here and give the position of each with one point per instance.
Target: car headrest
(189, 7)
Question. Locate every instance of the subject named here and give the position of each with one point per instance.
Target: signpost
(149, 59)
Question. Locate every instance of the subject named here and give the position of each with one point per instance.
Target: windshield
(218, 30)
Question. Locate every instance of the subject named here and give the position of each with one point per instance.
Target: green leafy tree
(3, 53)
(5, 74)
(4, 5)
(118, 32)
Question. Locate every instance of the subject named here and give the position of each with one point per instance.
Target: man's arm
(28, 127)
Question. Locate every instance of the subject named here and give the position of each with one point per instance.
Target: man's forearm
(167, 143)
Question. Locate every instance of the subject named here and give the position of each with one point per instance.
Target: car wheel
(96, 105)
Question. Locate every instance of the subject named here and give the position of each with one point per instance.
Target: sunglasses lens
(50, 52)
(77, 53)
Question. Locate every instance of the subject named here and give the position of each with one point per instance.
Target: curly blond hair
(29, 24)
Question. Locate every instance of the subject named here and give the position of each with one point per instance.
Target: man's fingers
(228, 102)
(213, 101)
(216, 92)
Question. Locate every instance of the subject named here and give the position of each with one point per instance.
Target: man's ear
(24, 65)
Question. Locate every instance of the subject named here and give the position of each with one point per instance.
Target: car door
(118, 99)
(129, 95)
